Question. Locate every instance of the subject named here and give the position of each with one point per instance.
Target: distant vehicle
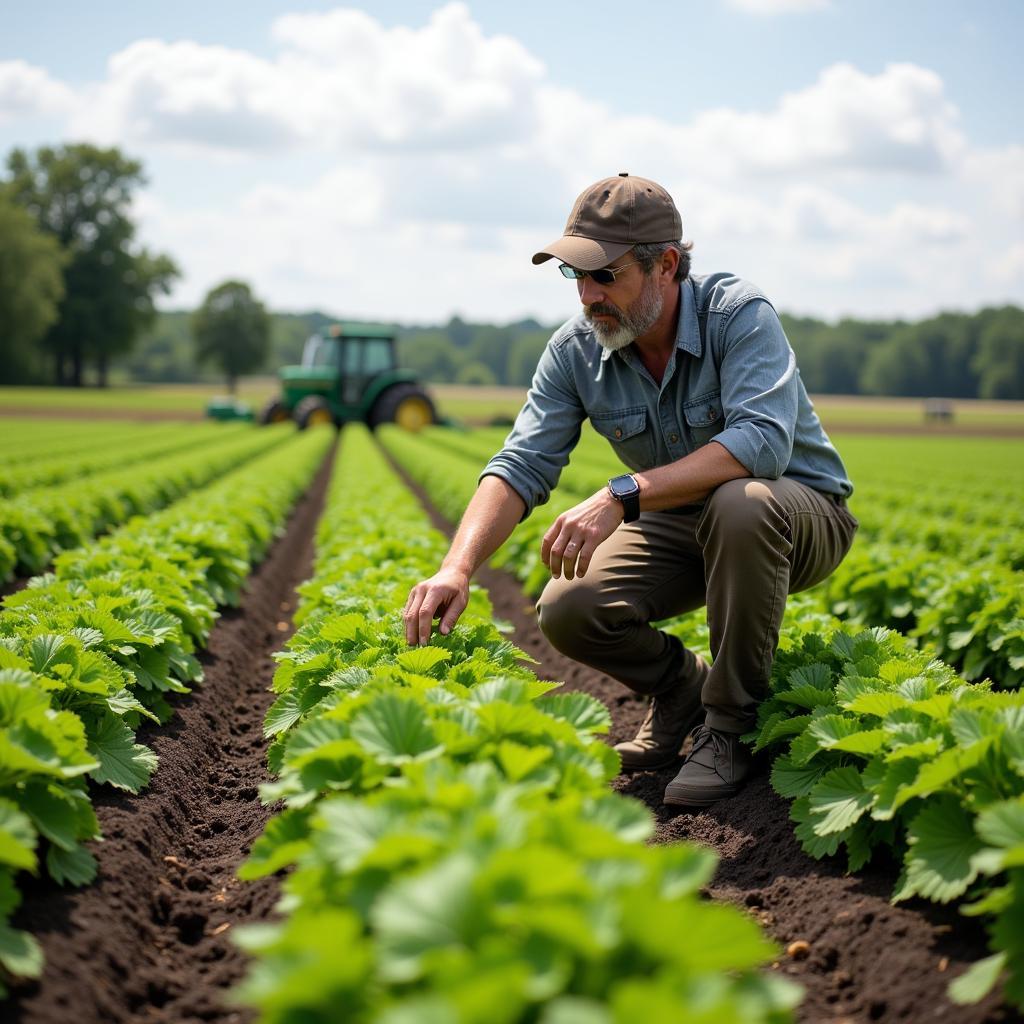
(350, 373)
(224, 407)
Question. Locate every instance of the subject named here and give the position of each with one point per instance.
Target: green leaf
(792, 781)
(518, 761)
(978, 980)
(290, 708)
(584, 713)
(20, 953)
(17, 837)
(423, 659)
(20, 701)
(879, 703)
(778, 727)
(1002, 824)
(342, 628)
(868, 741)
(838, 800)
(54, 812)
(830, 730)
(285, 838)
(394, 729)
(808, 696)
(46, 652)
(433, 909)
(123, 762)
(812, 844)
(944, 769)
(942, 844)
(74, 867)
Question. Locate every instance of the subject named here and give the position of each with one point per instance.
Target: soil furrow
(867, 960)
(150, 939)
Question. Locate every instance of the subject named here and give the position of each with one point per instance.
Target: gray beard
(632, 323)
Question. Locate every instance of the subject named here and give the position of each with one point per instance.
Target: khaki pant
(751, 544)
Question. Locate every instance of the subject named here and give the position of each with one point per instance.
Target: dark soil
(867, 960)
(150, 939)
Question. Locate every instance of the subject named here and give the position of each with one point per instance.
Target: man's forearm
(688, 480)
(490, 517)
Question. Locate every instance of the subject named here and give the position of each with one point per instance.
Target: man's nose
(590, 291)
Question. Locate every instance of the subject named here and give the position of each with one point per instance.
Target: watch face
(623, 486)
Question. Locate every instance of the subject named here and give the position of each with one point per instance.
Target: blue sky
(860, 158)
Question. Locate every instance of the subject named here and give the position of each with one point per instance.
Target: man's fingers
(549, 539)
(569, 556)
(586, 554)
(456, 607)
(411, 616)
(425, 620)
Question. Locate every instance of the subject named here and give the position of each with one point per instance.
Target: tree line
(78, 294)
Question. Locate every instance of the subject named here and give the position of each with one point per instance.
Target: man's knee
(743, 507)
(573, 616)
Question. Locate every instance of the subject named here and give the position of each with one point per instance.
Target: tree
(999, 359)
(232, 330)
(31, 287)
(81, 195)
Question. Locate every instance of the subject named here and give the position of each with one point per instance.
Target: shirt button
(711, 414)
(673, 438)
(618, 432)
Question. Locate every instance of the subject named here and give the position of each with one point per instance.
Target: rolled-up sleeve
(760, 390)
(545, 432)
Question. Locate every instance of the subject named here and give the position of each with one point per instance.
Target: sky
(402, 161)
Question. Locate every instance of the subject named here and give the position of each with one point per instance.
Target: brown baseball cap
(612, 216)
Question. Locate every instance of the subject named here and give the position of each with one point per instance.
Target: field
(476, 406)
(206, 702)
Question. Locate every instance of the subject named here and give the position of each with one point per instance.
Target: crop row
(89, 651)
(28, 440)
(877, 743)
(130, 445)
(457, 853)
(36, 524)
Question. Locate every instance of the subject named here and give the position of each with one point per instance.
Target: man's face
(625, 310)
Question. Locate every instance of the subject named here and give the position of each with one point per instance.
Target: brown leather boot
(715, 768)
(670, 717)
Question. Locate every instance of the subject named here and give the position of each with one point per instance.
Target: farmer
(736, 496)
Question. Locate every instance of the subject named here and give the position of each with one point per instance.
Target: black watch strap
(626, 490)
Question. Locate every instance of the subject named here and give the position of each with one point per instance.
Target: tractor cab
(349, 372)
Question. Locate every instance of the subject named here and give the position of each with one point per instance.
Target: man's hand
(574, 536)
(445, 594)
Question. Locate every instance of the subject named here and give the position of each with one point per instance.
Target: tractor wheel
(275, 411)
(408, 405)
(313, 411)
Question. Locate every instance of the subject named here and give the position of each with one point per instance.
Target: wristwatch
(627, 490)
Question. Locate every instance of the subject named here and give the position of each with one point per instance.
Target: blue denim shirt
(732, 378)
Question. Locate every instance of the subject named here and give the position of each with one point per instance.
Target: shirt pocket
(704, 417)
(627, 431)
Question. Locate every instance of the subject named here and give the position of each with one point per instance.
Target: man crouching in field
(737, 498)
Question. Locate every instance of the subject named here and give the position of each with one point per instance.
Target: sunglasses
(606, 275)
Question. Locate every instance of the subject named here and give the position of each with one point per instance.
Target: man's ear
(669, 263)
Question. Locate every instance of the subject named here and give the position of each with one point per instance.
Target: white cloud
(29, 91)
(770, 7)
(341, 80)
(206, 97)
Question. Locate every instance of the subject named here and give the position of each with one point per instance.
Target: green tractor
(349, 372)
